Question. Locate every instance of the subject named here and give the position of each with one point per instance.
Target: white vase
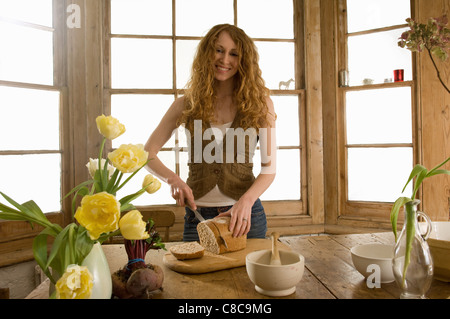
(98, 266)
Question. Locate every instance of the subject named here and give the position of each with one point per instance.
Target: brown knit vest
(229, 165)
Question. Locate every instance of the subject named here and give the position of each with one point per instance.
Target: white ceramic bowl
(374, 254)
(275, 280)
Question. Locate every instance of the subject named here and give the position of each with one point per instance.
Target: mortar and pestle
(275, 272)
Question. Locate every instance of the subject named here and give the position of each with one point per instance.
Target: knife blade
(198, 215)
(220, 236)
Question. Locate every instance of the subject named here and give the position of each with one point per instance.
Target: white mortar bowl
(275, 280)
(374, 254)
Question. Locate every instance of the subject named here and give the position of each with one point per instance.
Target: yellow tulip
(109, 126)
(132, 227)
(75, 283)
(128, 157)
(151, 184)
(99, 213)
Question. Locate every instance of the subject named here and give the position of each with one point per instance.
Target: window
(30, 103)
(152, 45)
(376, 135)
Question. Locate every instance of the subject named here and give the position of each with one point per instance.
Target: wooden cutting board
(212, 262)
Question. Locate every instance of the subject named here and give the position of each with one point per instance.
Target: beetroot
(137, 280)
(145, 280)
(140, 284)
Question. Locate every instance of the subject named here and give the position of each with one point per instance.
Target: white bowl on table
(366, 255)
(275, 280)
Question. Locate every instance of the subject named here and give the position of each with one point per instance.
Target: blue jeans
(258, 228)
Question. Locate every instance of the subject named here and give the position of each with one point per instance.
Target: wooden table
(329, 273)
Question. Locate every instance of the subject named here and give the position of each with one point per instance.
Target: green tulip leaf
(40, 254)
(399, 203)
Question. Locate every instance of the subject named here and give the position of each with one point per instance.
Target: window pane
(32, 177)
(141, 63)
(286, 185)
(370, 14)
(286, 108)
(379, 116)
(30, 119)
(376, 56)
(277, 63)
(140, 114)
(378, 174)
(32, 11)
(274, 18)
(185, 56)
(151, 17)
(196, 17)
(162, 196)
(26, 54)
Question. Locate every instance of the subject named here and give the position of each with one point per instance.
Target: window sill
(377, 86)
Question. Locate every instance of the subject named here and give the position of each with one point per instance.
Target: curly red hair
(250, 92)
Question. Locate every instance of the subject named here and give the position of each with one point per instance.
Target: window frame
(80, 68)
(278, 207)
(17, 236)
(350, 212)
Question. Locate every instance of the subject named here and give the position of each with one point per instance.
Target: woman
(225, 95)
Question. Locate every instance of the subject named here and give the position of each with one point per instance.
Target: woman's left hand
(240, 214)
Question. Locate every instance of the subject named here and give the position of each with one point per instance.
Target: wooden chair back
(164, 219)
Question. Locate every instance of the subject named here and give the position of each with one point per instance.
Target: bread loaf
(188, 250)
(215, 236)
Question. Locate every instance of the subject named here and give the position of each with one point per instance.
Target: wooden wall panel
(434, 105)
(313, 75)
(85, 86)
(330, 93)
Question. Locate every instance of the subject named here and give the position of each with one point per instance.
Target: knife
(220, 236)
(198, 215)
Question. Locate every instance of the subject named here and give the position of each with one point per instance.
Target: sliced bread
(188, 250)
(215, 236)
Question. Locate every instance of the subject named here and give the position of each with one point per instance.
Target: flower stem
(136, 251)
(410, 220)
(100, 156)
(437, 70)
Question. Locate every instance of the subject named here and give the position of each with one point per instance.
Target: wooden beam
(314, 134)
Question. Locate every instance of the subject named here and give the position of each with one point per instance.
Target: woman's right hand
(181, 192)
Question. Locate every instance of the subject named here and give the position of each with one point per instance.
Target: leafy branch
(433, 37)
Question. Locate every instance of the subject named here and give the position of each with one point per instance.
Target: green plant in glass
(418, 174)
